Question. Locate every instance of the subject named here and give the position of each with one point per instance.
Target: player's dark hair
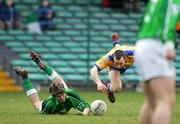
(56, 88)
(118, 54)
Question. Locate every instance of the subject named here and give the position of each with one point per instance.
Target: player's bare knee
(165, 103)
(116, 89)
(169, 101)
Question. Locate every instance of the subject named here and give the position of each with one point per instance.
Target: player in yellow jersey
(117, 61)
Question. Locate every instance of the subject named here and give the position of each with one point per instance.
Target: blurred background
(71, 35)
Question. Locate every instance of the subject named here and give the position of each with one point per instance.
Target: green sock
(27, 84)
(48, 70)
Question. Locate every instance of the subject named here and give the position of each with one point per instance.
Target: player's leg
(52, 74)
(147, 110)
(162, 88)
(164, 91)
(28, 87)
(115, 84)
(145, 114)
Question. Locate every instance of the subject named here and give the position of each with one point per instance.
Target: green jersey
(52, 106)
(160, 20)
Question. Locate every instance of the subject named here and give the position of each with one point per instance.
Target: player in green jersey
(153, 56)
(62, 98)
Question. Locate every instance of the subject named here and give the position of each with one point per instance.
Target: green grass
(15, 108)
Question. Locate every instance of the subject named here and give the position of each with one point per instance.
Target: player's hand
(86, 112)
(170, 54)
(101, 88)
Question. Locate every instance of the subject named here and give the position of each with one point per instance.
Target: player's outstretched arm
(79, 103)
(100, 86)
(52, 74)
(170, 36)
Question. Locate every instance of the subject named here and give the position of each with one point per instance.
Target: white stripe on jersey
(167, 19)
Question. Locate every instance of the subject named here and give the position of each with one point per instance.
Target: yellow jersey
(107, 61)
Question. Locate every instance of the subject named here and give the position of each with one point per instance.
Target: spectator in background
(46, 15)
(132, 5)
(123, 5)
(9, 15)
(116, 4)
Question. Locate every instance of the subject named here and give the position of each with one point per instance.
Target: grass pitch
(15, 108)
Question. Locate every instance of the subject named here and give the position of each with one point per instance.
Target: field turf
(15, 108)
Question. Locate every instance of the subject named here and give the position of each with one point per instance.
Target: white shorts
(150, 60)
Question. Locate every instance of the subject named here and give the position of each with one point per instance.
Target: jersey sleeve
(78, 103)
(129, 57)
(102, 63)
(48, 106)
(169, 34)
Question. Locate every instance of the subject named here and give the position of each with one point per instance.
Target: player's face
(9, 2)
(61, 97)
(120, 61)
(45, 3)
